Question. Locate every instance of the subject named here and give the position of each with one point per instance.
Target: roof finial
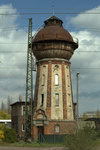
(53, 7)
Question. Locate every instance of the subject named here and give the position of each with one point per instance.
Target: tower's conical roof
(53, 30)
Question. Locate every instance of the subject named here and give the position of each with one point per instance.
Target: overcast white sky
(85, 60)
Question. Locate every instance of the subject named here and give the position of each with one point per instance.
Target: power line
(7, 30)
(18, 27)
(13, 27)
(79, 45)
(50, 13)
(13, 68)
(25, 51)
(86, 51)
(47, 8)
(85, 68)
(13, 52)
(13, 43)
(73, 68)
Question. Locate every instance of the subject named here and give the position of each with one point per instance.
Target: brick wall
(49, 92)
(64, 93)
(65, 127)
(17, 118)
(35, 132)
(50, 63)
(37, 85)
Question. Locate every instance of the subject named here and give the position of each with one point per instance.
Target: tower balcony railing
(75, 40)
(41, 27)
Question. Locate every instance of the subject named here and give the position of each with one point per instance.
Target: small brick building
(17, 117)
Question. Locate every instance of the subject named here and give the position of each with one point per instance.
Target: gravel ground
(30, 148)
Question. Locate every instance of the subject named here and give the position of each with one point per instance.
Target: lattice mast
(29, 87)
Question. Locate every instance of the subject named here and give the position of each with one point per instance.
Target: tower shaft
(54, 89)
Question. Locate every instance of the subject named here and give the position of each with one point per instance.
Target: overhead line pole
(77, 101)
(29, 87)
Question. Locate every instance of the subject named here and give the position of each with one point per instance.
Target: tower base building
(53, 47)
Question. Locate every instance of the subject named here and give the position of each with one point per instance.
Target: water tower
(53, 47)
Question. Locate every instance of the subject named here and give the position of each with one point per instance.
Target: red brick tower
(53, 47)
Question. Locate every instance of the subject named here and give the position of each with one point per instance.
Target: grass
(98, 145)
(32, 144)
(37, 144)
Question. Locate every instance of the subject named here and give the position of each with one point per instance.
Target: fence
(51, 138)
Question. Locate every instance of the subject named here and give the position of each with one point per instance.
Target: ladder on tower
(29, 87)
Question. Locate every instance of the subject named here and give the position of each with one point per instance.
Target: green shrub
(1, 136)
(2, 126)
(4, 115)
(9, 135)
(84, 140)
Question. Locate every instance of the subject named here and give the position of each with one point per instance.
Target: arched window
(57, 129)
(56, 79)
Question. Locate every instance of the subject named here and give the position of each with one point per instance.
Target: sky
(80, 17)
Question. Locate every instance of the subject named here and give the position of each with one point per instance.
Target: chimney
(20, 98)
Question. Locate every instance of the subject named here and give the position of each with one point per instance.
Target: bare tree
(2, 106)
(9, 101)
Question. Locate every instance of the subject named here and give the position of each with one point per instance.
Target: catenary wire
(71, 68)
(18, 27)
(26, 51)
(48, 8)
(49, 13)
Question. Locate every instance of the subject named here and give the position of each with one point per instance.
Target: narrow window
(23, 128)
(56, 79)
(42, 99)
(43, 79)
(57, 129)
(23, 110)
(57, 99)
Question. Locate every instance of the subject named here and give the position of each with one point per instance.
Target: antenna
(53, 7)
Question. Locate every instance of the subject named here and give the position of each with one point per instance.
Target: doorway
(40, 130)
(40, 133)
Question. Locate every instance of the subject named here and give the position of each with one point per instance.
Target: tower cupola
(53, 41)
(53, 21)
